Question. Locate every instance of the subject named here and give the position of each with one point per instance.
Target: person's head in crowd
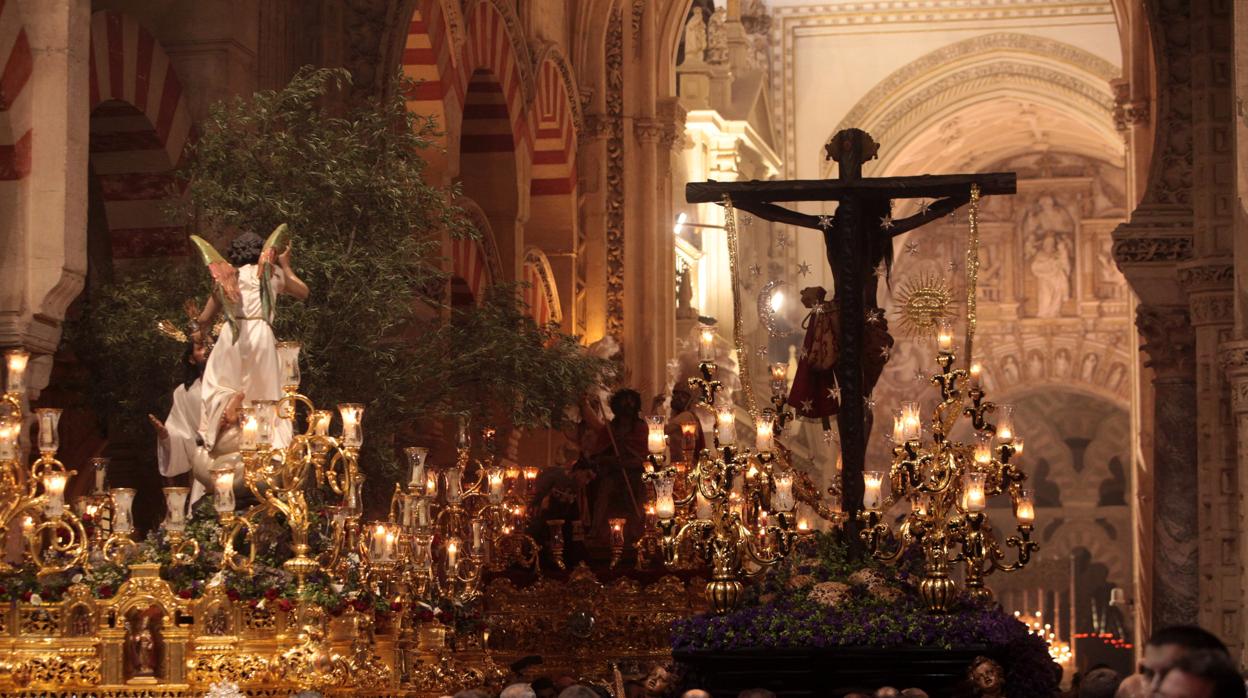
(1202, 674)
(543, 687)
(578, 691)
(1100, 682)
(695, 693)
(914, 693)
(887, 692)
(518, 690)
(1134, 686)
(756, 693)
(1168, 644)
(682, 398)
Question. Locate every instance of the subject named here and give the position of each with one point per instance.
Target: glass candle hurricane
(49, 419)
(656, 439)
(123, 503)
(54, 489)
(175, 508)
(352, 429)
(873, 485)
(15, 376)
(416, 458)
(223, 489)
(288, 365)
(706, 343)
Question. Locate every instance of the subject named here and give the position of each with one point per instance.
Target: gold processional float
(728, 511)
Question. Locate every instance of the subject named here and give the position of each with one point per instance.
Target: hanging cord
(738, 331)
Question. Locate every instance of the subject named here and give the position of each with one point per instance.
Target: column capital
(1233, 357)
(1210, 285)
(1169, 340)
(648, 130)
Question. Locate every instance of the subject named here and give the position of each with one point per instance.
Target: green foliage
(367, 238)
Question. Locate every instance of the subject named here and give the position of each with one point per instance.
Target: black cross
(858, 239)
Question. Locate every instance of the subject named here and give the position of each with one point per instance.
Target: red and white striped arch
(140, 126)
(470, 269)
(489, 65)
(16, 67)
(428, 58)
(540, 294)
(554, 149)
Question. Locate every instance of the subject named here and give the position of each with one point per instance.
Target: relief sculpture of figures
(1048, 231)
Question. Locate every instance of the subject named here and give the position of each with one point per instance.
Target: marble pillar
(1169, 342)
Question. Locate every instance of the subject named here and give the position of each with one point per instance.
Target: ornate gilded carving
(242, 668)
(1168, 339)
(615, 175)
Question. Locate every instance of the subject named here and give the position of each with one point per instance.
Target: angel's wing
(277, 241)
(226, 278)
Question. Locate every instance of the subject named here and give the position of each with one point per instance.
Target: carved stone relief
(614, 126)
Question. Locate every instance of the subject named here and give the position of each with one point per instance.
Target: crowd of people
(1181, 661)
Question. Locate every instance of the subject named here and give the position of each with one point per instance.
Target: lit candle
(10, 430)
(251, 428)
(265, 412)
(735, 504)
(530, 473)
(1025, 507)
(656, 439)
(28, 526)
(617, 532)
(726, 425)
(454, 484)
(702, 505)
(416, 457)
(99, 467)
(803, 525)
(664, 501)
(1005, 424)
(944, 335)
(223, 489)
(766, 434)
(123, 500)
(899, 428)
(288, 365)
(688, 438)
(49, 439)
(973, 492)
(872, 495)
(920, 504)
(494, 476)
(779, 378)
(431, 484)
(54, 490)
(452, 556)
(462, 439)
(1018, 445)
(706, 343)
(381, 551)
(478, 537)
(650, 515)
(784, 500)
(15, 380)
(976, 371)
(983, 449)
(513, 472)
(834, 504)
(913, 425)
(320, 422)
(352, 433)
(175, 508)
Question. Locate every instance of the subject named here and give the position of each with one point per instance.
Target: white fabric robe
(179, 453)
(248, 366)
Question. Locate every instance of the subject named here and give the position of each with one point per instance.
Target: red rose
(360, 605)
(336, 610)
(285, 604)
(26, 596)
(232, 594)
(270, 593)
(395, 606)
(253, 603)
(185, 593)
(104, 592)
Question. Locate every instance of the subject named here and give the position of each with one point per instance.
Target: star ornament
(834, 393)
(912, 248)
(803, 269)
(825, 221)
(807, 406)
(887, 222)
(756, 270)
(880, 270)
(924, 206)
(746, 219)
(782, 240)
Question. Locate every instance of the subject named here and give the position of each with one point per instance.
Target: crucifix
(858, 239)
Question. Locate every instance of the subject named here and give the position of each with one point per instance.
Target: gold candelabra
(947, 485)
(276, 475)
(737, 511)
(34, 495)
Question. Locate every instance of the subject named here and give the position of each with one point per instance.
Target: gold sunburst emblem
(921, 301)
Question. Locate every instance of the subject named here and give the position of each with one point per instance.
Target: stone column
(1235, 361)
(1170, 342)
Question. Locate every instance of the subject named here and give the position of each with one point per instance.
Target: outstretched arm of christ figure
(938, 208)
(779, 214)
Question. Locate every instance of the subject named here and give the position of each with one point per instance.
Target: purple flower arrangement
(783, 617)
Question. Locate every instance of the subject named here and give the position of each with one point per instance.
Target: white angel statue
(243, 365)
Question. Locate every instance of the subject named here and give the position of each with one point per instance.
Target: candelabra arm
(1023, 544)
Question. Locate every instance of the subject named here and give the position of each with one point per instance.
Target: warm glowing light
(680, 223)
(726, 425)
(251, 428)
(976, 371)
(223, 489)
(1017, 445)
(784, 500)
(1005, 424)
(873, 484)
(944, 335)
(352, 431)
(656, 439)
(321, 420)
(983, 449)
(1025, 506)
(10, 431)
(766, 436)
(973, 497)
(617, 532)
(123, 502)
(706, 343)
(15, 378)
(777, 301)
(664, 501)
(911, 422)
(54, 490)
(494, 476)
(416, 459)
